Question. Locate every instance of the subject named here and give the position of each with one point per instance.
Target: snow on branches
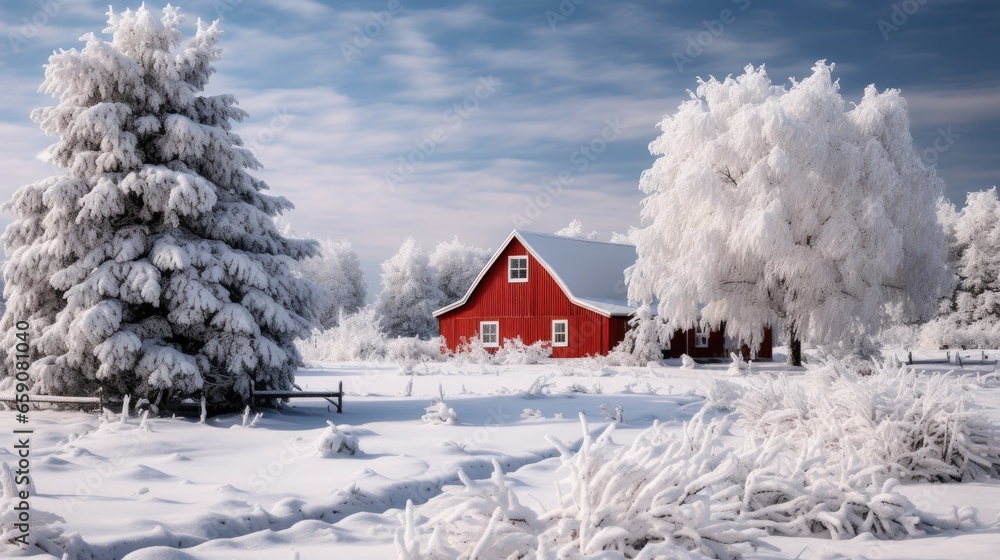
(152, 265)
(770, 205)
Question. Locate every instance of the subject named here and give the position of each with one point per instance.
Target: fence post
(909, 358)
(958, 356)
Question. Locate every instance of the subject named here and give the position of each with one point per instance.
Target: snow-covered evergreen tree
(455, 267)
(644, 341)
(575, 229)
(151, 266)
(409, 293)
(781, 206)
(337, 271)
(971, 316)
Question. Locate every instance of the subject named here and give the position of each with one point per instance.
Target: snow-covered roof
(591, 273)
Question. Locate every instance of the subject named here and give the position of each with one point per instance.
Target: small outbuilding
(567, 291)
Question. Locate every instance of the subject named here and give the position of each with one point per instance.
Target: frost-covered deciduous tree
(971, 316)
(151, 266)
(337, 271)
(773, 205)
(455, 266)
(575, 229)
(409, 293)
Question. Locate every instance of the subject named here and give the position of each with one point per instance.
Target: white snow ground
(223, 491)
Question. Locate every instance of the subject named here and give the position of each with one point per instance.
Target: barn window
(489, 333)
(701, 336)
(560, 333)
(517, 268)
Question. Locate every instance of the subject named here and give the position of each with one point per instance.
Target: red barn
(564, 290)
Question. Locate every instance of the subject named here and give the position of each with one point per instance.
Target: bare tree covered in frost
(152, 265)
(455, 267)
(337, 271)
(971, 316)
(781, 206)
(409, 293)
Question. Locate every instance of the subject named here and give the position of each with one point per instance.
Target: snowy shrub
(614, 415)
(439, 412)
(531, 414)
(643, 342)
(357, 337)
(807, 469)
(152, 265)
(514, 352)
(20, 537)
(250, 421)
(360, 338)
(723, 394)
(478, 520)
(333, 442)
(413, 349)
(644, 501)
(471, 351)
(739, 366)
(914, 428)
(540, 388)
(687, 362)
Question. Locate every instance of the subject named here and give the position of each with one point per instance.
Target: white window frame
(701, 336)
(495, 343)
(565, 333)
(510, 268)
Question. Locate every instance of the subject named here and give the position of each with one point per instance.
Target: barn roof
(590, 273)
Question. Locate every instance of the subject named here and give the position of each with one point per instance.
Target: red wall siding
(683, 343)
(528, 309)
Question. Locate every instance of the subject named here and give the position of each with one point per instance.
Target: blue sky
(393, 118)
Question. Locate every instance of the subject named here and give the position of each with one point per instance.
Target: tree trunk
(794, 348)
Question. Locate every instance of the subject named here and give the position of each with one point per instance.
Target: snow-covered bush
(471, 351)
(687, 362)
(912, 427)
(808, 469)
(477, 520)
(514, 352)
(337, 272)
(152, 265)
(333, 441)
(409, 293)
(24, 532)
(439, 413)
(360, 338)
(643, 342)
(739, 366)
(540, 388)
(410, 349)
(357, 337)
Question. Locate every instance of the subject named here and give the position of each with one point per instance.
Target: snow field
(222, 490)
